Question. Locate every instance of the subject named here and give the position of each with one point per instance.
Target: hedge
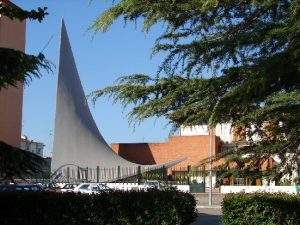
(112, 208)
(262, 209)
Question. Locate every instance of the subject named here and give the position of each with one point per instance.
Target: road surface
(207, 216)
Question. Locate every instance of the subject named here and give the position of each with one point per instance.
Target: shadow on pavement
(208, 219)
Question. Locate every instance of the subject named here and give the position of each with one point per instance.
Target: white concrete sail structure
(77, 140)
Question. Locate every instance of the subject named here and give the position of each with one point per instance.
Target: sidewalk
(202, 198)
(208, 216)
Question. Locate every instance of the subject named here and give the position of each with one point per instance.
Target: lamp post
(211, 130)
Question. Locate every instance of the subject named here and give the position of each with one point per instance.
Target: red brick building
(12, 35)
(195, 148)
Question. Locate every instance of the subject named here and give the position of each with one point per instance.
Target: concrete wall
(136, 186)
(202, 199)
(252, 189)
(195, 148)
(223, 131)
(12, 35)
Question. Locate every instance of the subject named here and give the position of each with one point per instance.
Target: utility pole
(211, 131)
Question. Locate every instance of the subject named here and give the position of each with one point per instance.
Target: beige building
(12, 35)
(32, 146)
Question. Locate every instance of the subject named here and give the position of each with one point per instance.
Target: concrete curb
(208, 207)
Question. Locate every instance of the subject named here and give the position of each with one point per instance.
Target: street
(208, 216)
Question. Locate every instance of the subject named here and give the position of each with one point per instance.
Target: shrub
(261, 208)
(112, 208)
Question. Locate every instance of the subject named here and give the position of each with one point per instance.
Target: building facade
(223, 131)
(12, 35)
(32, 146)
(196, 143)
(196, 148)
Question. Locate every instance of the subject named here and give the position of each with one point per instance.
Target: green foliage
(227, 61)
(17, 66)
(263, 209)
(11, 11)
(17, 163)
(113, 208)
(204, 33)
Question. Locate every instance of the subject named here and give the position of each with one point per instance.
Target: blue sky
(100, 59)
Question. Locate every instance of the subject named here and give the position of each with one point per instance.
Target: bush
(262, 209)
(113, 208)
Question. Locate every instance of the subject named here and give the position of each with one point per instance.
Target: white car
(90, 188)
(151, 184)
(68, 188)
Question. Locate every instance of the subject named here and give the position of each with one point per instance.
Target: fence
(174, 175)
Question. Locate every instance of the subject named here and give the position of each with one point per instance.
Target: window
(95, 188)
(240, 181)
(85, 187)
(33, 188)
(26, 188)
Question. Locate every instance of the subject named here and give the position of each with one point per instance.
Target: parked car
(152, 184)
(90, 188)
(68, 188)
(21, 187)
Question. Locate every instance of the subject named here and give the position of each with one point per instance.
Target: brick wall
(195, 148)
(12, 35)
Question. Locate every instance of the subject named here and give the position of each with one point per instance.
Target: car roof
(19, 185)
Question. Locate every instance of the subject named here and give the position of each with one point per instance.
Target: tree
(16, 66)
(17, 163)
(227, 61)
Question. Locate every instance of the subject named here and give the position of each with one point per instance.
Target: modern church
(77, 141)
(80, 151)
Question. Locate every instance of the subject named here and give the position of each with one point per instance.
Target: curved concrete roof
(77, 140)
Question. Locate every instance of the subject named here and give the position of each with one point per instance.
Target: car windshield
(85, 186)
(69, 186)
(95, 188)
(34, 188)
(4, 188)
